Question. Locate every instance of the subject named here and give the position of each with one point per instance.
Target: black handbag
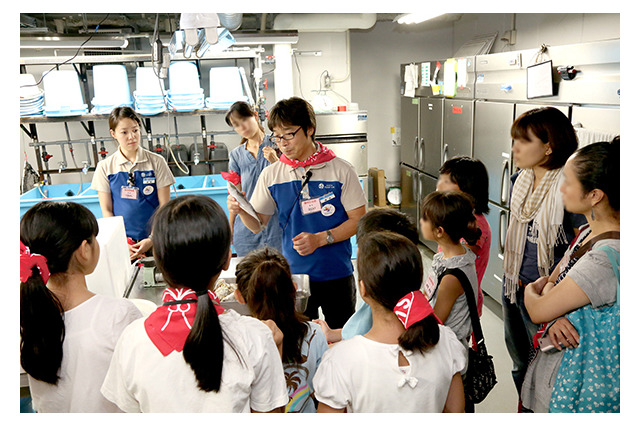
(481, 375)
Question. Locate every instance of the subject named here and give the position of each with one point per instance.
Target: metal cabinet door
(498, 219)
(458, 128)
(430, 136)
(409, 108)
(409, 188)
(353, 152)
(427, 186)
(492, 146)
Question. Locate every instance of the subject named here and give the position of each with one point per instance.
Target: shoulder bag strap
(471, 300)
(586, 247)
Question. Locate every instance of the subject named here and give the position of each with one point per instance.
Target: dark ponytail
(453, 211)
(54, 230)
(191, 243)
(390, 266)
(264, 280)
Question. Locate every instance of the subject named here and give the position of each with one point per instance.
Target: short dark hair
(472, 178)
(597, 166)
(293, 112)
(551, 126)
(453, 211)
(387, 220)
(121, 112)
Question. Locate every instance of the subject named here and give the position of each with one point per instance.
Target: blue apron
(136, 211)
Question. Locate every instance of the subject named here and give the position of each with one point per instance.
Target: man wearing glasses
(319, 201)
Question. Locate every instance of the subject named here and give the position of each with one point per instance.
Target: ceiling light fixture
(416, 18)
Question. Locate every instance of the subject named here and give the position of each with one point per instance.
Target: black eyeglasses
(132, 179)
(286, 136)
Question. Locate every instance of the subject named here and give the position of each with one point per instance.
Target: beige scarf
(544, 206)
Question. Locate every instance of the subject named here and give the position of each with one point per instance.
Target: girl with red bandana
(408, 361)
(190, 355)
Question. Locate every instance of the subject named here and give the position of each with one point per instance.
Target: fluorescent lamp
(416, 18)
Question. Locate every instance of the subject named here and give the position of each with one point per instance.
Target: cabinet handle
(421, 154)
(415, 148)
(502, 231)
(504, 192)
(445, 151)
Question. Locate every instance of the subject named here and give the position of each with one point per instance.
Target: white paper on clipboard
(539, 80)
(244, 203)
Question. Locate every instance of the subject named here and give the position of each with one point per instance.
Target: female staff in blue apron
(246, 162)
(132, 182)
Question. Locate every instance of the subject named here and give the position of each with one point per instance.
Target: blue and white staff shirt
(133, 187)
(332, 191)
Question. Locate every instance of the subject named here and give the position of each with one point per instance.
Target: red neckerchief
(169, 325)
(28, 260)
(322, 155)
(412, 308)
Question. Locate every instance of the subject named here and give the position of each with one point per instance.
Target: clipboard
(244, 203)
(540, 80)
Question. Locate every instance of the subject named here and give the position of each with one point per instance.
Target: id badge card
(430, 287)
(129, 193)
(310, 206)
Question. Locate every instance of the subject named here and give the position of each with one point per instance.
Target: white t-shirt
(140, 379)
(363, 376)
(91, 332)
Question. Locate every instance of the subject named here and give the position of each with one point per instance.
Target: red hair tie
(412, 308)
(28, 261)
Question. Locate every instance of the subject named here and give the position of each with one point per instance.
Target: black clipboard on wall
(540, 80)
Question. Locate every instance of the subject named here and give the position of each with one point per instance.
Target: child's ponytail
(203, 349)
(41, 330)
(390, 267)
(194, 230)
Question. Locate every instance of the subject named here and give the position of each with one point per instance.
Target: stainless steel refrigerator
(420, 147)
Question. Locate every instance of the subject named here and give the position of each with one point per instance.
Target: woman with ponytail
(191, 355)
(67, 333)
(408, 361)
(265, 285)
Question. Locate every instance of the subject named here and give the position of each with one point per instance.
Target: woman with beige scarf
(540, 228)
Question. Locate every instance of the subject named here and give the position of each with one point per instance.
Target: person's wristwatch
(329, 237)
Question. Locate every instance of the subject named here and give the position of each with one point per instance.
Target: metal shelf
(97, 117)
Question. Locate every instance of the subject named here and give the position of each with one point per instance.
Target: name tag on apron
(129, 192)
(310, 206)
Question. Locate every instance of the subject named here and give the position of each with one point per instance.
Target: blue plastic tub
(213, 186)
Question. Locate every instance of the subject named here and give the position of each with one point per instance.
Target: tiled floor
(503, 398)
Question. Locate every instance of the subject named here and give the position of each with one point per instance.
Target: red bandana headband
(28, 260)
(322, 155)
(170, 324)
(412, 308)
